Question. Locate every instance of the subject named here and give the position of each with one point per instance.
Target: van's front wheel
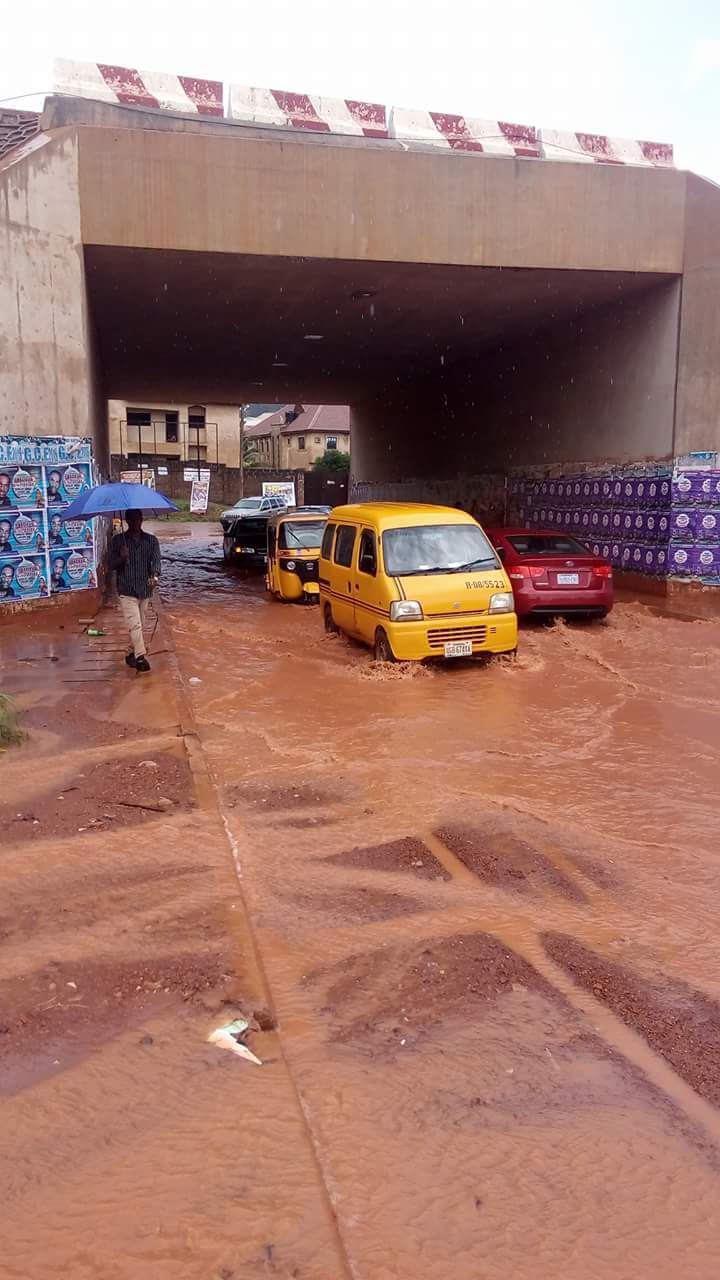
(331, 626)
(381, 649)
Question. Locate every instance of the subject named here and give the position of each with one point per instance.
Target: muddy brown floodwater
(482, 905)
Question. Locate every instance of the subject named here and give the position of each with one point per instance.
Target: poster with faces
(72, 570)
(21, 488)
(23, 578)
(21, 532)
(65, 484)
(68, 533)
(41, 552)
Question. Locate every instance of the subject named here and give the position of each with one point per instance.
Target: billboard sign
(280, 489)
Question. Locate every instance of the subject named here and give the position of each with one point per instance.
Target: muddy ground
(473, 908)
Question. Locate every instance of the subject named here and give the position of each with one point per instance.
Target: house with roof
(294, 436)
(16, 127)
(285, 436)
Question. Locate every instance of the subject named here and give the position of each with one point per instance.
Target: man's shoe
(142, 664)
(131, 659)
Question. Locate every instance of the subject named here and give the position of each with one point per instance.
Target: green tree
(250, 453)
(332, 460)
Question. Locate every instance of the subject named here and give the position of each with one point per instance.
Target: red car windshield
(546, 544)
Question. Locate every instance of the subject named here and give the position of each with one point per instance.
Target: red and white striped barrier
(106, 83)
(596, 148)
(283, 110)
(280, 109)
(463, 133)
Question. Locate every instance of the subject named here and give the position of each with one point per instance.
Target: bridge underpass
(450, 370)
(478, 313)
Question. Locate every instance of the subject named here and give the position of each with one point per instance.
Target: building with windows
(290, 437)
(295, 436)
(208, 433)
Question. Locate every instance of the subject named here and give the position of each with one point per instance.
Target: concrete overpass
(478, 312)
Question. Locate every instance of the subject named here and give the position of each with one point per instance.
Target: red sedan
(552, 573)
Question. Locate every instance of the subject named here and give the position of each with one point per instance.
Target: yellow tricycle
(293, 554)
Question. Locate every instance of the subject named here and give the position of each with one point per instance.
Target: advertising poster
(72, 570)
(40, 551)
(23, 577)
(146, 476)
(21, 532)
(199, 495)
(65, 483)
(21, 487)
(68, 533)
(280, 489)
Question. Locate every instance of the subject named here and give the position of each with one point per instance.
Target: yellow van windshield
(436, 548)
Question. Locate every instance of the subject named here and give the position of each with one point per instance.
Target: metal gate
(326, 488)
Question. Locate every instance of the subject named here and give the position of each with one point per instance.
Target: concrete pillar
(697, 412)
(49, 381)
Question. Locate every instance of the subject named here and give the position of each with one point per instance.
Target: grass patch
(10, 733)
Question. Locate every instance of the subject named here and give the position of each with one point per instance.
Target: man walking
(136, 558)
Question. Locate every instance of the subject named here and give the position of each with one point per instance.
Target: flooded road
(479, 901)
(485, 898)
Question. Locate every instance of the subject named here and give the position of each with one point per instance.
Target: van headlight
(501, 602)
(405, 611)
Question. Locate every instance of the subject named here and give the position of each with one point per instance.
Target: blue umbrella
(106, 499)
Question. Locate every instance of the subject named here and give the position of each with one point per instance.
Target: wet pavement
(481, 902)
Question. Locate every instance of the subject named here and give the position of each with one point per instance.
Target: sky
(599, 66)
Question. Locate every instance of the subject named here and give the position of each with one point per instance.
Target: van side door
(341, 573)
(368, 613)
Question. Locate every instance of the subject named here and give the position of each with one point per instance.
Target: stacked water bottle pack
(655, 520)
(622, 515)
(695, 524)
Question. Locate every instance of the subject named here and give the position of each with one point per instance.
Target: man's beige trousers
(133, 612)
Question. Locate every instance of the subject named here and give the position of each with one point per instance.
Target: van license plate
(459, 649)
(568, 579)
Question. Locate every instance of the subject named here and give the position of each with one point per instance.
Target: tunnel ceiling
(228, 328)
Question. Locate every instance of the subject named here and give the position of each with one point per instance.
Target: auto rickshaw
(293, 554)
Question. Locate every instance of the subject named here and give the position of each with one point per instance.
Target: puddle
(485, 898)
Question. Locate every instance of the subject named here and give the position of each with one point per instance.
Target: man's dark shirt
(143, 563)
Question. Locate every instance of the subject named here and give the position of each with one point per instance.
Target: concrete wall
(697, 424)
(233, 193)
(227, 484)
(594, 387)
(49, 382)
(484, 496)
